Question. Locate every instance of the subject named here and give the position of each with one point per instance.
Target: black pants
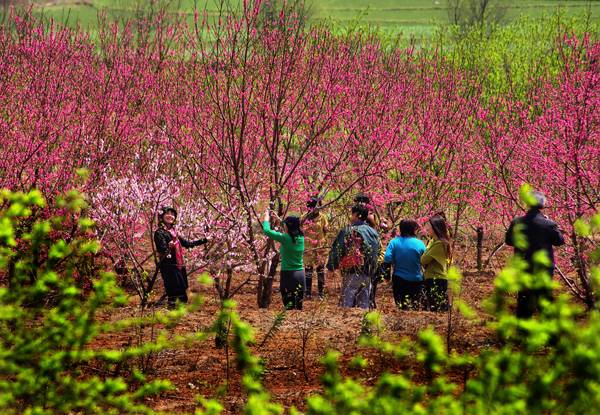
(173, 299)
(374, 283)
(436, 294)
(408, 295)
(176, 283)
(292, 289)
(320, 281)
(528, 301)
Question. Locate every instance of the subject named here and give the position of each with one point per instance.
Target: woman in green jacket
(291, 253)
(435, 262)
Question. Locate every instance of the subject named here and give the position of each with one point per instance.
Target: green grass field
(410, 17)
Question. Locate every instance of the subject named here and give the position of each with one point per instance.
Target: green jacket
(435, 260)
(291, 253)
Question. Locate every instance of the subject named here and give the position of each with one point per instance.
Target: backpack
(354, 257)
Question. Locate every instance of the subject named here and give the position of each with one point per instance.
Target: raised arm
(266, 226)
(190, 244)
(333, 262)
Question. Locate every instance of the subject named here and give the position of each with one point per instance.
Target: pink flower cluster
(222, 120)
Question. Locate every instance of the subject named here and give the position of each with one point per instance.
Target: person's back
(291, 283)
(540, 233)
(404, 253)
(315, 246)
(291, 250)
(315, 240)
(355, 251)
(371, 246)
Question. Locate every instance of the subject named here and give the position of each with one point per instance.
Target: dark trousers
(320, 281)
(292, 289)
(356, 289)
(173, 299)
(436, 294)
(375, 280)
(528, 301)
(408, 295)
(176, 283)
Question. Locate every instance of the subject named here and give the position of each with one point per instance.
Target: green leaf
(582, 228)
(89, 247)
(59, 250)
(7, 232)
(86, 224)
(526, 195)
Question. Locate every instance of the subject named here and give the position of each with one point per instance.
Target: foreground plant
(547, 364)
(48, 325)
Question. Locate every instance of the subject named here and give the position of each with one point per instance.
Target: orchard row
(222, 117)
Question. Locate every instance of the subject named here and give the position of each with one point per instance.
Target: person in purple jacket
(403, 253)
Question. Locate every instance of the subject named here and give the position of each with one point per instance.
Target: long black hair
(293, 227)
(440, 228)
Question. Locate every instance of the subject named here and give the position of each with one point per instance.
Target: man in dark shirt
(540, 234)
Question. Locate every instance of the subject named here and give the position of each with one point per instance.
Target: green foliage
(44, 348)
(258, 400)
(48, 325)
(510, 59)
(546, 364)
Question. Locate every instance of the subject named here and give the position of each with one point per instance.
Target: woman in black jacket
(169, 246)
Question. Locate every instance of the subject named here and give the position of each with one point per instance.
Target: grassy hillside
(409, 17)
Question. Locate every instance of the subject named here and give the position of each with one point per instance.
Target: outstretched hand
(267, 217)
(276, 218)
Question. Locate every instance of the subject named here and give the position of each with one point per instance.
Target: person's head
(167, 216)
(436, 227)
(312, 203)
(359, 212)
(408, 227)
(292, 227)
(540, 199)
(362, 199)
(441, 214)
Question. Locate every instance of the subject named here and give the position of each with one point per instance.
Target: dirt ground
(202, 370)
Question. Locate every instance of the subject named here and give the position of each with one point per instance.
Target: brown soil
(202, 370)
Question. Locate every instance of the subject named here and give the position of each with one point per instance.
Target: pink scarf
(177, 248)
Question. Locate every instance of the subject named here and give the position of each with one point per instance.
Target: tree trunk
(582, 272)
(221, 334)
(266, 290)
(479, 248)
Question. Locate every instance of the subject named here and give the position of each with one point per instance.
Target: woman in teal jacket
(291, 254)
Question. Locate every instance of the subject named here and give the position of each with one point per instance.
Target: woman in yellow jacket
(435, 261)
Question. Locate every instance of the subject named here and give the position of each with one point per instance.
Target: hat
(313, 202)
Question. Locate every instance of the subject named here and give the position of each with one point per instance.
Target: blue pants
(356, 290)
